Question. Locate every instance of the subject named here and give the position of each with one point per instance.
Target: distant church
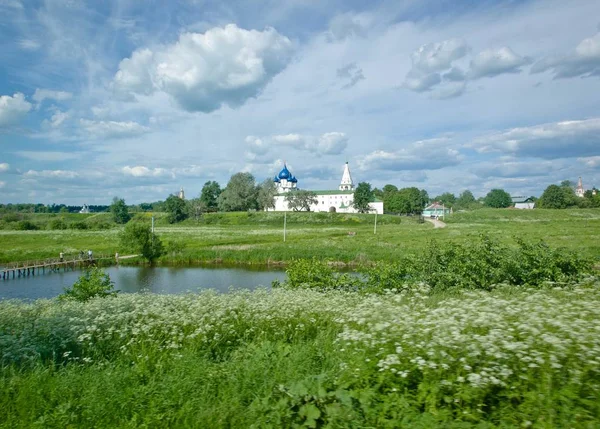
(340, 200)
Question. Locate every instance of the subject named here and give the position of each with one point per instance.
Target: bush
(315, 273)
(25, 225)
(57, 224)
(79, 225)
(94, 283)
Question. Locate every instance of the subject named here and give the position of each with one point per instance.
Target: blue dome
(276, 179)
(284, 173)
(293, 179)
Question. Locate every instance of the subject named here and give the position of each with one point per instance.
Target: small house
(436, 210)
(523, 203)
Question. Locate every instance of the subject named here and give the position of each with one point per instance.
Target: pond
(164, 280)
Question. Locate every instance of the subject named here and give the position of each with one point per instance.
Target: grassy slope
(258, 237)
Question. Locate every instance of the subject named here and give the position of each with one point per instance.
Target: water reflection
(153, 279)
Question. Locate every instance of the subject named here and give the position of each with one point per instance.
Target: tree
(498, 198)
(210, 195)
(447, 198)
(197, 208)
(363, 195)
(266, 194)
(554, 197)
(300, 200)
(94, 282)
(424, 198)
(176, 209)
(239, 194)
(138, 238)
(119, 211)
(465, 199)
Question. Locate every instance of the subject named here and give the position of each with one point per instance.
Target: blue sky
(137, 99)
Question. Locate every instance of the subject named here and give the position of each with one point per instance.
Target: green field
(258, 237)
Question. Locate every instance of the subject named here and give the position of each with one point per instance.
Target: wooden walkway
(27, 268)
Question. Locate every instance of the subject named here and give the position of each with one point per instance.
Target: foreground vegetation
(513, 357)
(257, 237)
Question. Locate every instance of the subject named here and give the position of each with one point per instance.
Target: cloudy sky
(132, 98)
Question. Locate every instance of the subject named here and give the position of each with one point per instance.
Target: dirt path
(436, 223)
(127, 256)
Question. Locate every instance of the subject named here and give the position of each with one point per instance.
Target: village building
(523, 203)
(181, 194)
(340, 200)
(436, 210)
(85, 209)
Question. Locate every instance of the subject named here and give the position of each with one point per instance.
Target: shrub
(25, 225)
(57, 224)
(93, 283)
(79, 225)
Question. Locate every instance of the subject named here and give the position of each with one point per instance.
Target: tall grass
(513, 357)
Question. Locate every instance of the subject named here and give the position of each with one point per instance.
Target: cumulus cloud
(330, 144)
(584, 61)
(203, 71)
(347, 25)
(351, 73)
(430, 154)
(549, 141)
(493, 62)
(142, 171)
(112, 129)
(47, 94)
(12, 109)
(430, 60)
(4, 167)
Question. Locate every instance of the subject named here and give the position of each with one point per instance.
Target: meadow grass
(257, 238)
(513, 357)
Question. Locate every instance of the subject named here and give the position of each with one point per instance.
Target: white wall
(324, 202)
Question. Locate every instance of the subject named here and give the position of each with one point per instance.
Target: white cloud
(112, 129)
(347, 25)
(12, 109)
(431, 59)
(4, 167)
(142, 171)
(202, 72)
(2, 184)
(48, 156)
(583, 62)
(436, 57)
(430, 154)
(553, 140)
(493, 62)
(52, 174)
(47, 94)
(57, 119)
(29, 45)
(516, 169)
(330, 143)
(590, 161)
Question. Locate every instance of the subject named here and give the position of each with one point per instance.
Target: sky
(137, 99)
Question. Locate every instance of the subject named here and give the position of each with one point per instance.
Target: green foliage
(25, 225)
(138, 237)
(466, 200)
(447, 198)
(363, 195)
(266, 194)
(498, 198)
(558, 197)
(210, 195)
(176, 209)
(405, 200)
(93, 283)
(301, 200)
(315, 273)
(57, 224)
(240, 194)
(119, 211)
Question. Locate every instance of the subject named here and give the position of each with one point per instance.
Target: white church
(340, 200)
